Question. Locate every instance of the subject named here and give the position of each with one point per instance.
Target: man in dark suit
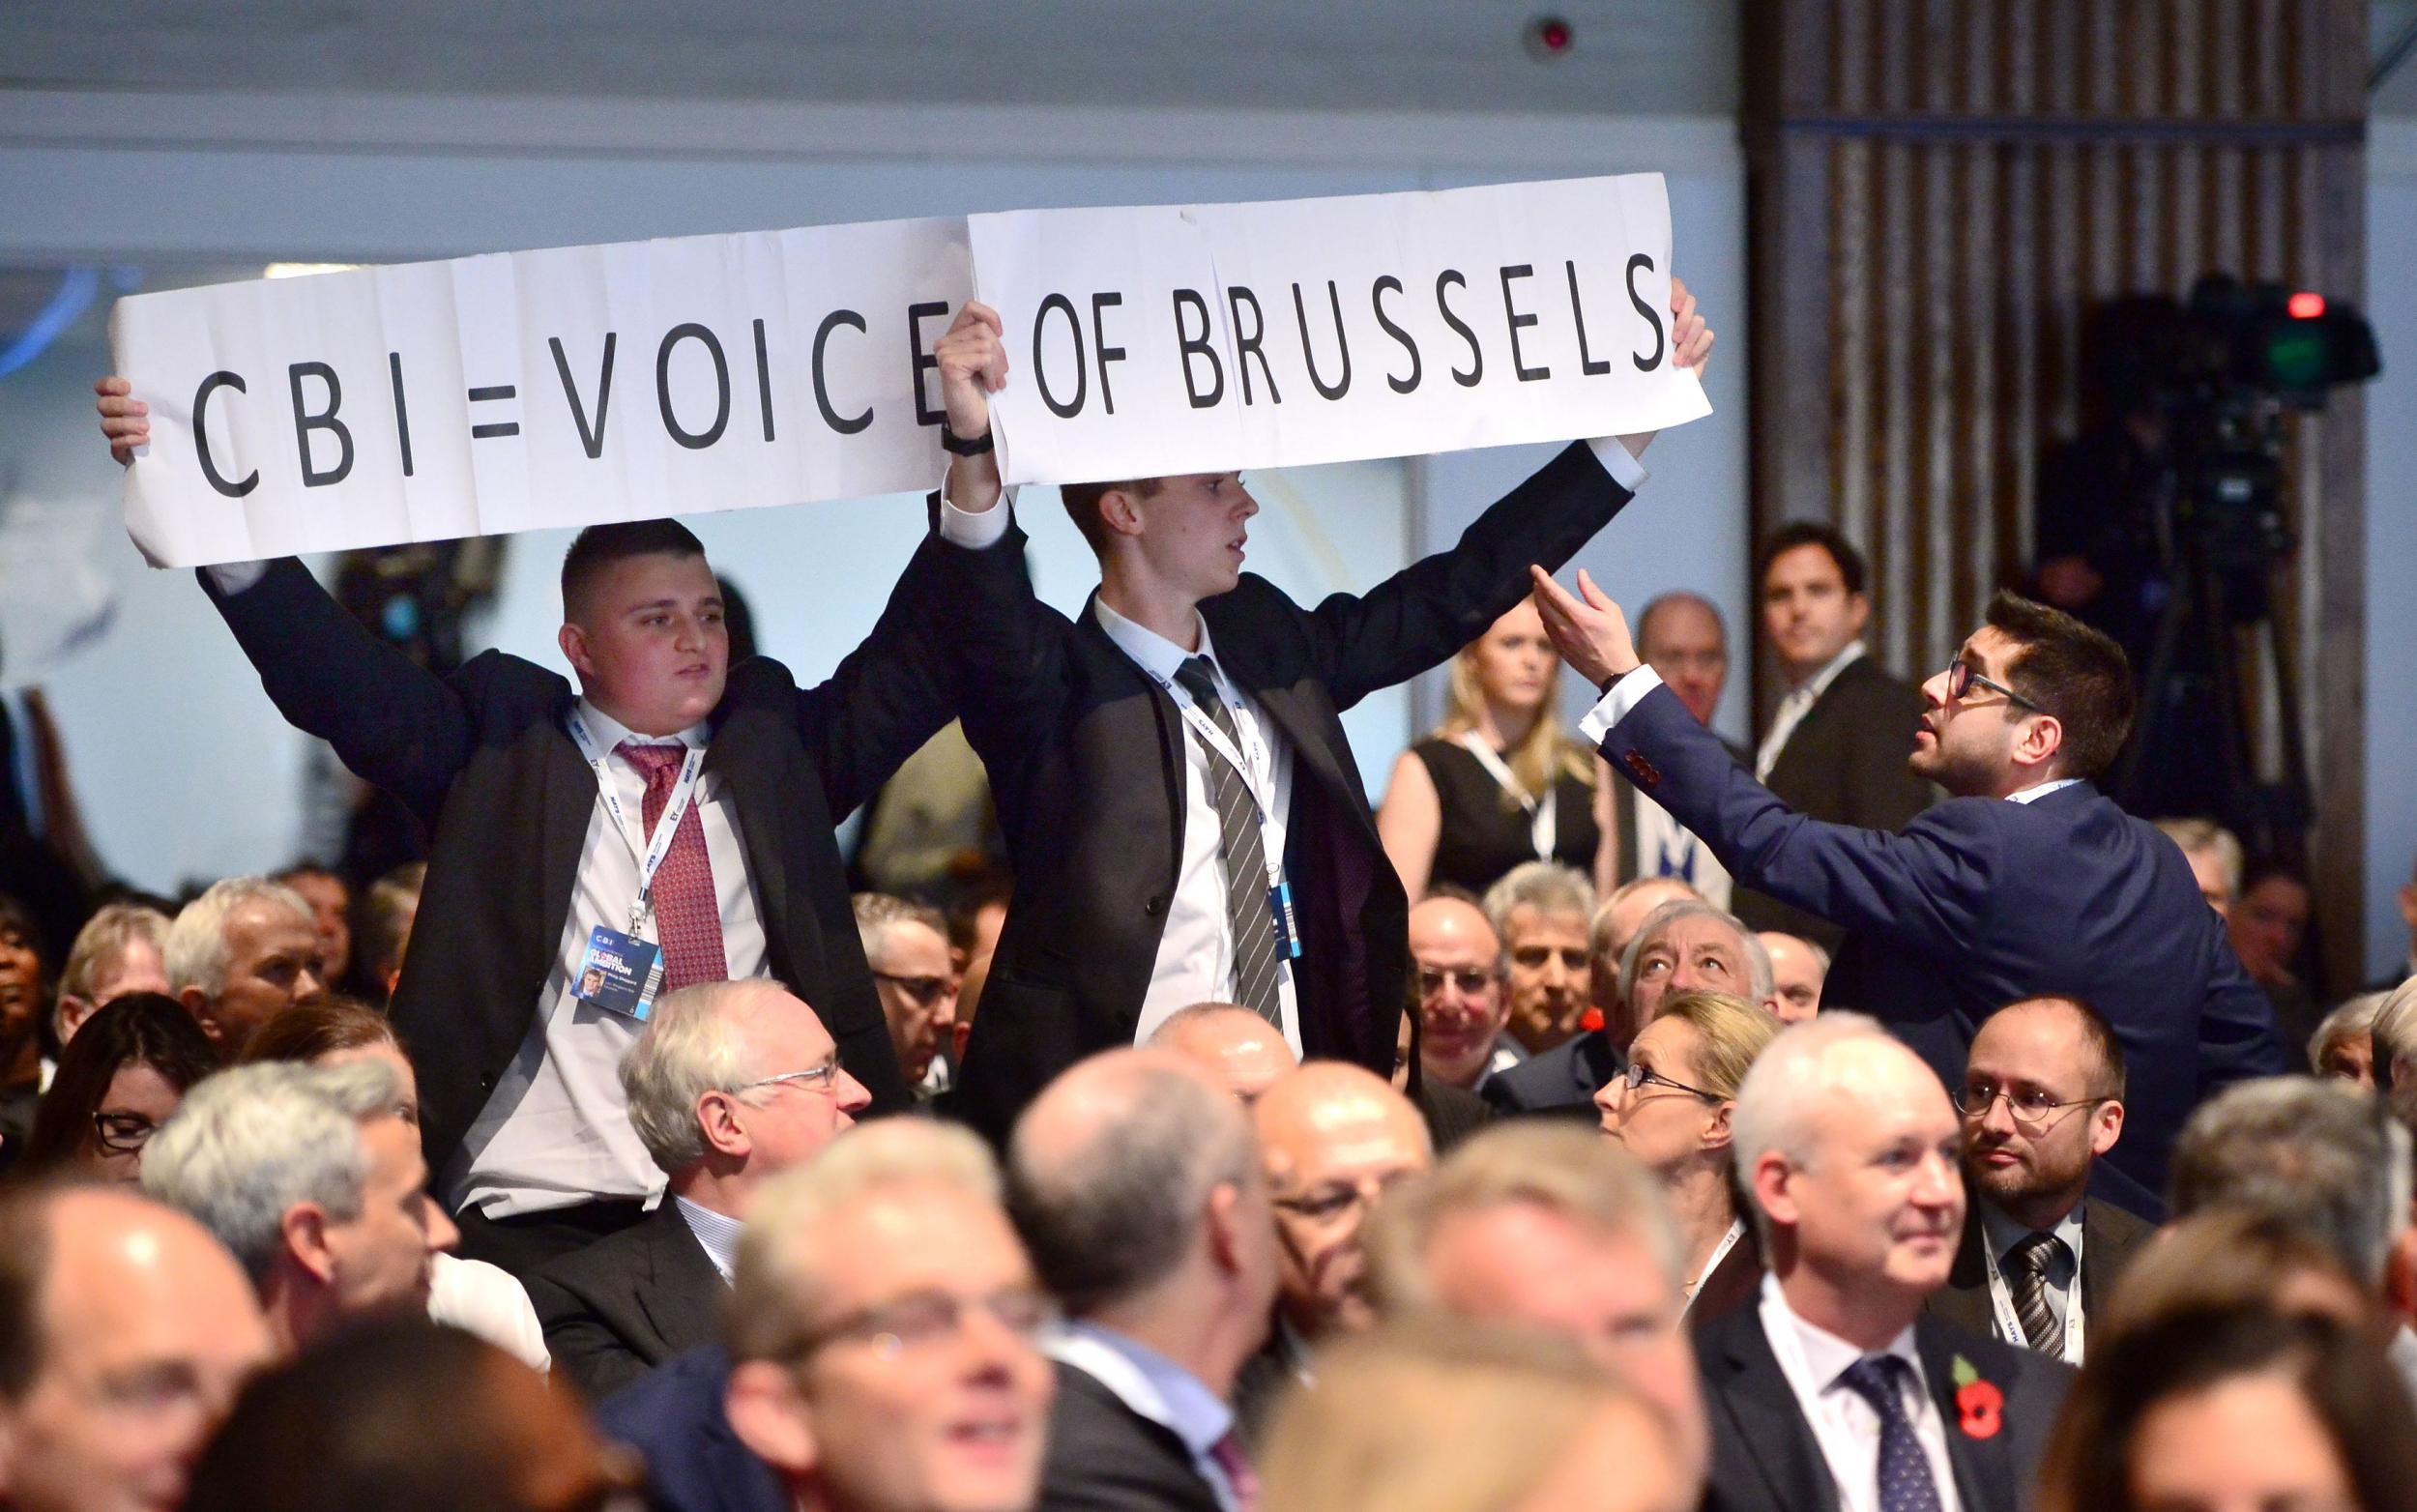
(1834, 1390)
(1833, 748)
(729, 1084)
(2043, 1100)
(1137, 1186)
(1170, 767)
(2030, 882)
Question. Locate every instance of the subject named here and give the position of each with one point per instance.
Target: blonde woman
(1672, 1110)
(1501, 781)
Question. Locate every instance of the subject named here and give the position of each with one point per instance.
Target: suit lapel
(1166, 720)
(1771, 1430)
(737, 755)
(1986, 1480)
(1964, 1300)
(681, 1292)
(568, 795)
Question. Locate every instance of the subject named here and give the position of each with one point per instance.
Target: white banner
(523, 391)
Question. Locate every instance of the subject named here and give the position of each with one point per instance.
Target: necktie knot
(1239, 1479)
(2034, 1254)
(659, 765)
(1875, 1378)
(1198, 676)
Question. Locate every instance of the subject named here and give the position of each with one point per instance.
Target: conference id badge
(617, 974)
(1287, 925)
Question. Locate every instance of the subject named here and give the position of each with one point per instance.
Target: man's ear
(2041, 737)
(768, 1413)
(72, 1013)
(205, 1013)
(1774, 1187)
(2106, 1127)
(1223, 1226)
(1860, 610)
(304, 1228)
(717, 1116)
(1120, 510)
(575, 644)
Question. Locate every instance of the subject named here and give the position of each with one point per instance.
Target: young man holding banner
(671, 823)
(1182, 811)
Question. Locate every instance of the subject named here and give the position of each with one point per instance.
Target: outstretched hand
(1590, 632)
(973, 364)
(125, 419)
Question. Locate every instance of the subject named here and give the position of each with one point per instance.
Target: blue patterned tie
(1905, 1472)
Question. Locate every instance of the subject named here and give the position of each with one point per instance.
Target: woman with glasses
(466, 1293)
(1670, 1108)
(120, 1076)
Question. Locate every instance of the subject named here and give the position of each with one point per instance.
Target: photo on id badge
(617, 974)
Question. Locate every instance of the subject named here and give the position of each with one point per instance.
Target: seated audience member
(23, 999)
(2393, 1060)
(1672, 1110)
(398, 1413)
(115, 1086)
(315, 1182)
(117, 951)
(1242, 1051)
(1547, 1225)
(330, 904)
(1439, 1415)
(1456, 961)
(240, 954)
(907, 947)
(1134, 1180)
(1798, 968)
(1837, 1388)
(387, 911)
(1562, 1081)
(470, 1294)
(884, 1327)
(124, 1331)
(1540, 911)
(729, 1084)
(2268, 926)
(2204, 1411)
(2214, 857)
(1333, 1138)
(1500, 783)
(2027, 881)
(2343, 1049)
(2043, 1101)
(1680, 636)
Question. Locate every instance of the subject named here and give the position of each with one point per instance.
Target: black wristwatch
(1613, 681)
(950, 441)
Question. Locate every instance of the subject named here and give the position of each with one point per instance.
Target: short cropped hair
(1760, 983)
(1572, 1172)
(2202, 837)
(195, 953)
(691, 1045)
(1082, 504)
(1811, 532)
(2098, 1037)
(776, 1292)
(1599, 940)
(600, 546)
(249, 1144)
(102, 940)
(2077, 673)
(1782, 1090)
(1547, 887)
(2313, 1155)
(877, 911)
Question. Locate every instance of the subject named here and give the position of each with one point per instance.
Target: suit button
(1154, 906)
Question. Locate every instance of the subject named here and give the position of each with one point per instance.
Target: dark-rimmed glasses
(122, 1133)
(1469, 980)
(922, 991)
(2032, 1109)
(1639, 1077)
(1963, 677)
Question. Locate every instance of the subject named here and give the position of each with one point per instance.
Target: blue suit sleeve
(2239, 1037)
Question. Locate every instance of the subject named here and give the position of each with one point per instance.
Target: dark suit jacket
(1452, 1114)
(1561, 1083)
(1766, 1459)
(630, 1301)
(1846, 763)
(1086, 759)
(1104, 1457)
(1979, 903)
(2109, 1236)
(481, 757)
(694, 1462)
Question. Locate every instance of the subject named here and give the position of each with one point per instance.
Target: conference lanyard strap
(1543, 826)
(649, 854)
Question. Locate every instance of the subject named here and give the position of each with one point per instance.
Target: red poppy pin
(1591, 1021)
(1980, 1407)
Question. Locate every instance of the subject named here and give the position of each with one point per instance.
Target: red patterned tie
(1238, 1475)
(687, 918)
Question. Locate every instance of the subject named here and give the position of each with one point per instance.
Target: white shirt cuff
(1625, 696)
(1625, 470)
(972, 531)
(230, 578)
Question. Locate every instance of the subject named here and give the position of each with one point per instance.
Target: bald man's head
(99, 1287)
(1462, 1000)
(1242, 1051)
(1332, 1137)
(1681, 637)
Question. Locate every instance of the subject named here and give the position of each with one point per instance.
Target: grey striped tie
(1246, 911)
(2026, 1269)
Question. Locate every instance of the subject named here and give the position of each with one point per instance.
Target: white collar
(1826, 1356)
(611, 731)
(2004, 1234)
(1156, 654)
(2037, 791)
(1814, 687)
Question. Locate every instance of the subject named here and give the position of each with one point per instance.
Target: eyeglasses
(822, 1077)
(2030, 1109)
(1533, 957)
(924, 1319)
(122, 1133)
(1639, 1077)
(1468, 984)
(923, 990)
(1331, 1203)
(1962, 678)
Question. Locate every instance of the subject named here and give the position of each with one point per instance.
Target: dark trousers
(523, 1243)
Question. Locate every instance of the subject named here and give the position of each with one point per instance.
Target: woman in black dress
(1501, 781)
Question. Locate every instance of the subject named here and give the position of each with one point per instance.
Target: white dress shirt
(716, 1234)
(2064, 1273)
(476, 1298)
(1843, 1424)
(1157, 1389)
(1796, 705)
(1195, 961)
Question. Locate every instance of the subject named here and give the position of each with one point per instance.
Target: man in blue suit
(2030, 882)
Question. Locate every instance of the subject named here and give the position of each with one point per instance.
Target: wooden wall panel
(1940, 188)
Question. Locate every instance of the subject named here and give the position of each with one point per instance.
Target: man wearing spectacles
(729, 1084)
(2041, 1100)
(907, 947)
(2029, 880)
(1456, 959)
